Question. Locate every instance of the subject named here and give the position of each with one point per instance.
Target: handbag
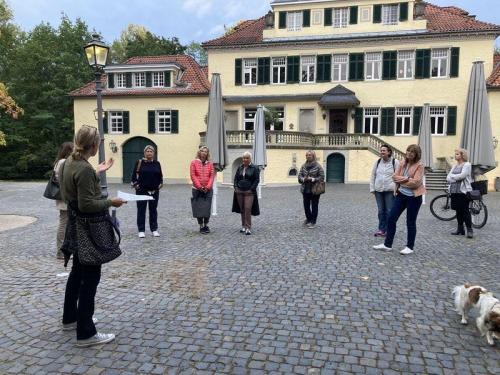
(474, 195)
(52, 190)
(318, 188)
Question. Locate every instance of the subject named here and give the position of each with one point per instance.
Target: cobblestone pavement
(286, 300)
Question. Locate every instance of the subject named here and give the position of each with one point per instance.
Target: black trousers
(311, 203)
(79, 299)
(153, 212)
(460, 203)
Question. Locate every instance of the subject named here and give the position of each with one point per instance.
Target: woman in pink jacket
(409, 178)
(202, 176)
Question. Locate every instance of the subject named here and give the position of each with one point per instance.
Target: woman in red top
(202, 175)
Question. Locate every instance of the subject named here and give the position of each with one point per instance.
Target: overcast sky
(189, 20)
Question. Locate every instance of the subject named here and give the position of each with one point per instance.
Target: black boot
(470, 234)
(459, 231)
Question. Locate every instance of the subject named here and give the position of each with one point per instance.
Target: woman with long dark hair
(64, 151)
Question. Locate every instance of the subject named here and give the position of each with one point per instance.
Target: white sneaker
(382, 247)
(243, 230)
(142, 235)
(98, 338)
(406, 251)
(156, 234)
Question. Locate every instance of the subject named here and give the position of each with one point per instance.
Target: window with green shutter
(403, 12)
(126, 122)
(264, 70)
(353, 15)
(175, 122)
(387, 126)
(455, 62)
(111, 80)
(282, 20)
(168, 79)
(128, 79)
(105, 122)
(149, 79)
(328, 16)
(306, 18)
(356, 66)
(377, 14)
(417, 115)
(390, 62)
(151, 122)
(358, 120)
(238, 66)
(293, 69)
(324, 68)
(451, 128)
(423, 63)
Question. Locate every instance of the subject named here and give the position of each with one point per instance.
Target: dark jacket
(245, 183)
(150, 176)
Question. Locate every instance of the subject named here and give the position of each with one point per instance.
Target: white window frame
(250, 70)
(281, 119)
(437, 55)
(158, 79)
(390, 14)
(251, 111)
(115, 122)
(405, 114)
(340, 17)
(369, 113)
(294, 21)
(438, 112)
(309, 64)
(405, 61)
(340, 67)
(121, 80)
(164, 119)
(373, 66)
(281, 66)
(140, 79)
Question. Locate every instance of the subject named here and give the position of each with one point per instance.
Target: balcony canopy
(339, 97)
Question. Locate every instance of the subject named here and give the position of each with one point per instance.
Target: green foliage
(196, 51)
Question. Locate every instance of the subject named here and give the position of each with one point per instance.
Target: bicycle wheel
(478, 213)
(441, 208)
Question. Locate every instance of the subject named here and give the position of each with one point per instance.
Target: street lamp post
(97, 54)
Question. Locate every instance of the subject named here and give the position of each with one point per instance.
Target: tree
(136, 40)
(196, 51)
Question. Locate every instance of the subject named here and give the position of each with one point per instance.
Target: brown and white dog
(467, 297)
(488, 321)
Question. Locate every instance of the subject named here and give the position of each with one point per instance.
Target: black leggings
(460, 203)
(203, 220)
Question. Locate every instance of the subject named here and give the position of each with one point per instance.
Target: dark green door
(335, 168)
(133, 150)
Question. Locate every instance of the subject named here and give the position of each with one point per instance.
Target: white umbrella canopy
(477, 137)
(425, 137)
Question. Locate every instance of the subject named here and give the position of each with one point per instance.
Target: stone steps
(436, 180)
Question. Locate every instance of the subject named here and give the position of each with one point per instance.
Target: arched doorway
(133, 150)
(235, 166)
(335, 168)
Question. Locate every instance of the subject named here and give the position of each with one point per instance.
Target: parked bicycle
(441, 206)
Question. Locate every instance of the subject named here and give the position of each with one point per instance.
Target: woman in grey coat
(311, 173)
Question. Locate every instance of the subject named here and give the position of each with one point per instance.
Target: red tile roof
(193, 82)
(493, 81)
(439, 20)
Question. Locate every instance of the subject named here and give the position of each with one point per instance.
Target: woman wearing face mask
(245, 200)
(311, 173)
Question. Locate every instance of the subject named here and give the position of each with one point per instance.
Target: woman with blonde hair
(311, 173)
(460, 180)
(408, 178)
(202, 174)
(80, 189)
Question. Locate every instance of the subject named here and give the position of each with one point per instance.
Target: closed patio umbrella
(425, 140)
(259, 157)
(216, 132)
(477, 137)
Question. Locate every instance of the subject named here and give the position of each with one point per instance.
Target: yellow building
(341, 77)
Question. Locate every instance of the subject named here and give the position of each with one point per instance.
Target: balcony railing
(284, 139)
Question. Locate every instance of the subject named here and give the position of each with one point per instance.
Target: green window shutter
(328, 16)
(167, 82)
(111, 80)
(126, 122)
(403, 12)
(282, 20)
(238, 71)
(390, 62)
(377, 14)
(356, 66)
(263, 70)
(174, 116)
(358, 121)
(324, 69)
(149, 80)
(306, 18)
(151, 122)
(128, 79)
(417, 114)
(387, 126)
(353, 15)
(455, 62)
(451, 128)
(292, 69)
(105, 122)
(423, 64)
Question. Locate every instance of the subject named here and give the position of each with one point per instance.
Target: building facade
(341, 77)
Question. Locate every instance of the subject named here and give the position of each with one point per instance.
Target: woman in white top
(382, 186)
(65, 151)
(460, 180)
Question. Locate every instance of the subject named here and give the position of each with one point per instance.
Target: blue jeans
(412, 206)
(385, 199)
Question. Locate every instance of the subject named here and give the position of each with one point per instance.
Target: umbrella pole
(214, 198)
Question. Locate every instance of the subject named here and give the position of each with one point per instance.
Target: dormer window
(140, 79)
(340, 17)
(294, 21)
(390, 14)
(158, 79)
(121, 80)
